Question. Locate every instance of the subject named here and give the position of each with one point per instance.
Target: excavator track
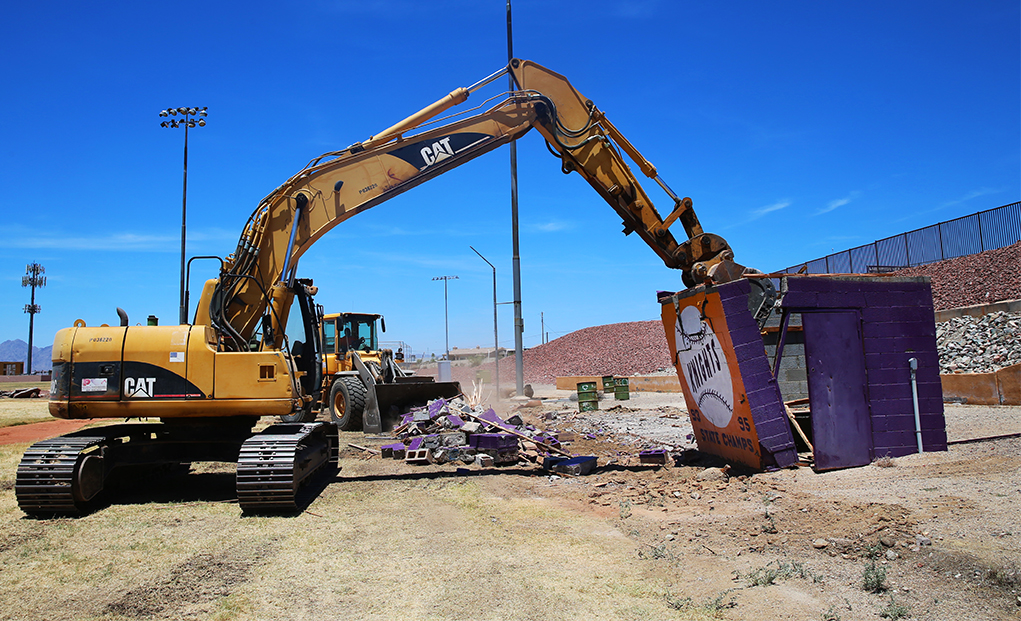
(59, 476)
(281, 468)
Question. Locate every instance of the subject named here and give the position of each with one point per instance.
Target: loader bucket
(392, 400)
(384, 402)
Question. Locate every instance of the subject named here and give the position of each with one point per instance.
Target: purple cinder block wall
(897, 324)
(763, 394)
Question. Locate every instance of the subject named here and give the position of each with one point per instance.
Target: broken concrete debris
(448, 431)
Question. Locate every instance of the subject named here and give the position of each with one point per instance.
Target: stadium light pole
(446, 324)
(519, 321)
(496, 335)
(191, 117)
(33, 278)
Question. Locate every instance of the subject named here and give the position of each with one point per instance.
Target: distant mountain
(17, 350)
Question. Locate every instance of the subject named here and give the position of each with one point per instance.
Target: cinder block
(415, 444)
(653, 456)
(493, 441)
(419, 456)
(396, 450)
(483, 460)
(795, 375)
(471, 427)
(454, 438)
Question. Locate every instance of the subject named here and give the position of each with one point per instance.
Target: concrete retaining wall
(1000, 388)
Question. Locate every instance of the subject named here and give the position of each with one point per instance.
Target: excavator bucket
(385, 402)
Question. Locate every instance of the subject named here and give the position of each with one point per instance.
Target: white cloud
(551, 227)
(840, 202)
(970, 195)
(777, 206)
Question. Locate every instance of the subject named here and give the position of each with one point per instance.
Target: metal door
(837, 389)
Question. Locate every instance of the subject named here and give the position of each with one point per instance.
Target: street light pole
(191, 118)
(496, 336)
(446, 324)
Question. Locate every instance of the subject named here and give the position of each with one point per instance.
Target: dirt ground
(938, 536)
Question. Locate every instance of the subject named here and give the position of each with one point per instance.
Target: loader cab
(344, 332)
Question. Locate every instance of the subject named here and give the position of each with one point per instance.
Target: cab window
(329, 336)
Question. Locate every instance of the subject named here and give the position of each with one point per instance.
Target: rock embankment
(979, 344)
(981, 278)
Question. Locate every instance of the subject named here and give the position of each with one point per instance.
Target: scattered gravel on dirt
(981, 278)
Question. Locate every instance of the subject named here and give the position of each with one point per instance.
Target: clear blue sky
(797, 128)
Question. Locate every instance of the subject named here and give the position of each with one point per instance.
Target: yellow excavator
(208, 383)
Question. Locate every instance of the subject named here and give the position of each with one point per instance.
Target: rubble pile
(979, 344)
(454, 431)
(981, 278)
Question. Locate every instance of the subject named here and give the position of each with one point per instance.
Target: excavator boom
(338, 185)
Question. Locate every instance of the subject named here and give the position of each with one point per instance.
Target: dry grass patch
(23, 411)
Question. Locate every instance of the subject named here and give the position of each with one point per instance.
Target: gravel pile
(981, 278)
(625, 349)
(979, 344)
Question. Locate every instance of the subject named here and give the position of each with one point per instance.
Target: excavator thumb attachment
(384, 402)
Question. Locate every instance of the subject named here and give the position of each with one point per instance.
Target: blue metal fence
(985, 230)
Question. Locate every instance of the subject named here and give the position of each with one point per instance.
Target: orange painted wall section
(707, 368)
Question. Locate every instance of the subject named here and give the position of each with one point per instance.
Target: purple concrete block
(547, 438)
(934, 440)
(396, 450)
(908, 328)
(883, 360)
(437, 407)
(406, 419)
(492, 441)
(846, 299)
(800, 299)
(491, 416)
(906, 344)
(899, 390)
(786, 458)
(771, 427)
(415, 444)
(891, 407)
(749, 352)
(550, 461)
(746, 336)
(892, 423)
(455, 421)
(894, 438)
(578, 466)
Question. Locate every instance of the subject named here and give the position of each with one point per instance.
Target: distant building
(465, 355)
(12, 368)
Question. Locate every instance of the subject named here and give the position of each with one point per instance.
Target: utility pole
(33, 278)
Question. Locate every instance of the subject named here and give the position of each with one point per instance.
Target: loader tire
(347, 402)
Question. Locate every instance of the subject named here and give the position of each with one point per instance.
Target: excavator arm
(257, 281)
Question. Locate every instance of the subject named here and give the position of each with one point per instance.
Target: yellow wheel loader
(364, 388)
